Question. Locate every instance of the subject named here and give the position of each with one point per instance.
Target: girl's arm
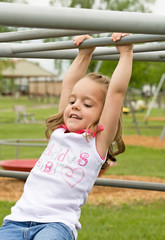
(115, 96)
(76, 71)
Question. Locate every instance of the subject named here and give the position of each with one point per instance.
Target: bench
(20, 111)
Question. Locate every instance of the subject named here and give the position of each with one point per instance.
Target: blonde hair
(117, 146)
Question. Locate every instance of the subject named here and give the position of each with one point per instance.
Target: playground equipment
(146, 27)
(24, 165)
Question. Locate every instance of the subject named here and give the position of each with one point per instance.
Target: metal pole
(5, 51)
(155, 96)
(134, 118)
(106, 41)
(100, 181)
(22, 15)
(40, 34)
(147, 47)
(130, 184)
(149, 57)
(14, 174)
(162, 133)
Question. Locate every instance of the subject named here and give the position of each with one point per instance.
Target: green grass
(7, 102)
(138, 221)
(149, 128)
(140, 161)
(5, 209)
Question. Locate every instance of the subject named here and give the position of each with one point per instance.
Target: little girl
(81, 139)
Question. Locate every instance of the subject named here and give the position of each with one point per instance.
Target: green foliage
(146, 72)
(124, 5)
(127, 5)
(142, 73)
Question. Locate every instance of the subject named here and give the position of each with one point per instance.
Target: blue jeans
(12, 230)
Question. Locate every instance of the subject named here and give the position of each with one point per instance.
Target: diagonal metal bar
(106, 41)
(100, 181)
(22, 15)
(5, 51)
(40, 34)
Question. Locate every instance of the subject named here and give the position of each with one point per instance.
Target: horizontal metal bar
(106, 41)
(100, 181)
(147, 57)
(14, 174)
(40, 34)
(5, 51)
(23, 140)
(130, 184)
(23, 144)
(147, 47)
(102, 50)
(22, 15)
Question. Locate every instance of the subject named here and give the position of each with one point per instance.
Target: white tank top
(60, 181)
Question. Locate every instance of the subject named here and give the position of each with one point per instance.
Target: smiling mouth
(75, 116)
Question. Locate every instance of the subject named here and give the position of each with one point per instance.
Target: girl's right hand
(121, 48)
(79, 39)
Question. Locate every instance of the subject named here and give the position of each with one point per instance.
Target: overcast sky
(158, 8)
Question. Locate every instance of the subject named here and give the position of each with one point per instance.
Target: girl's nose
(76, 105)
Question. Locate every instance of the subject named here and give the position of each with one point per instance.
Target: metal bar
(100, 181)
(160, 84)
(22, 15)
(5, 51)
(134, 118)
(147, 47)
(106, 41)
(40, 34)
(130, 184)
(23, 140)
(149, 57)
(162, 134)
(14, 174)
(23, 144)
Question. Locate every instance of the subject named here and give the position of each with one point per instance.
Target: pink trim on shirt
(101, 128)
(101, 156)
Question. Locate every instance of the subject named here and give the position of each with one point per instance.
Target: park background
(110, 213)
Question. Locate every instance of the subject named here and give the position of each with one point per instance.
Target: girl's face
(85, 105)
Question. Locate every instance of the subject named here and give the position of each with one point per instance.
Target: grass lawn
(140, 161)
(139, 221)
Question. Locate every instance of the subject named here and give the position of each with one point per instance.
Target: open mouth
(75, 116)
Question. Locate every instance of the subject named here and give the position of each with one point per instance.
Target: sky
(48, 64)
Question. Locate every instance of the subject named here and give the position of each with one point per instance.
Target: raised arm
(76, 71)
(115, 96)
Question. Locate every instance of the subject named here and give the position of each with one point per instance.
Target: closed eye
(87, 105)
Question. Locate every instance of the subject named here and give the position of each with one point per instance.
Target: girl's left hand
(121, 48)
(79, 39)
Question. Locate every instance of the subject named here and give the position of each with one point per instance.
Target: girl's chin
(74, 129)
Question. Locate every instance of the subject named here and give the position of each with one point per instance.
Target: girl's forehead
(86, 83)
(88, 88)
